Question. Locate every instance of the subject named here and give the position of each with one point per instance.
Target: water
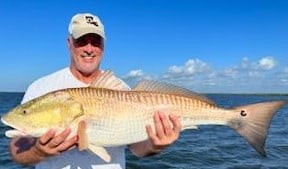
(209, 147)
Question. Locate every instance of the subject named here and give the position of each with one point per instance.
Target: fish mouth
(13, 132)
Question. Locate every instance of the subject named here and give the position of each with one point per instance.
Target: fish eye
(243, 113)
(24, 111)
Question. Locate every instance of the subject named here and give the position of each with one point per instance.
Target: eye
(243, 113)
(24, 111)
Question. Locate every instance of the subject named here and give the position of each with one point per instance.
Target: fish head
(55, 110)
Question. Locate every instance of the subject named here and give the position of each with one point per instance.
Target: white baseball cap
(84, 23)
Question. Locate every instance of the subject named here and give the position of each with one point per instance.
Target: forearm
(27, 151)
(23, 151)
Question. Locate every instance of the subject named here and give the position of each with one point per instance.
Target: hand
(165, 133)
(50, 144)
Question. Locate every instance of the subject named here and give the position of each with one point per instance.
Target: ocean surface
(209, 147)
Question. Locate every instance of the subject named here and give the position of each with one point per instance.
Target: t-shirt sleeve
(32, 92)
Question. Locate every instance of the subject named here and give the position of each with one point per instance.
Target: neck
(87, 78)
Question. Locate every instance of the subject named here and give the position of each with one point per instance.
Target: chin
(88, 71)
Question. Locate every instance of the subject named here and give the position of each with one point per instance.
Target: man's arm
(164, 135)
(29, 151)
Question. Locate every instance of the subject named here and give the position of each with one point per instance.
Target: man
(51, 150)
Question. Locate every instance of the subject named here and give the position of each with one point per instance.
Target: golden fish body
(128, 112)
(118, 117)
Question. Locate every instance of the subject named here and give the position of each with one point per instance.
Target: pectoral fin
(83, 143)
(190, 127)
(101, 152)
(83, 138)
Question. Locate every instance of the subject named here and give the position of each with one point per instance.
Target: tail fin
(254, 121)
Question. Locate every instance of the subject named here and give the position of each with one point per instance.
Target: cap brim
(77, 33)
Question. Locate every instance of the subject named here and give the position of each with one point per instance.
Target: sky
(208, 46)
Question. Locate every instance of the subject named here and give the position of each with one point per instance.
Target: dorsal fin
(154, 86)
(108, 80)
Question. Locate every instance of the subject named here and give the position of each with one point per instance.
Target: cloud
(286, 70)
(247, 76)
(175, 69)
(284, 81)
(135, 76)
(186, 72)
(266, 63)
(251, 69)
(191, 67)
(135, 73)
(231, 72)
(284, 76)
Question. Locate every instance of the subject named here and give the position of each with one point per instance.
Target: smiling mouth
(88, 58)
(92, 55)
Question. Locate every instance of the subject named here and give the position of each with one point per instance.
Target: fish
(105, 117)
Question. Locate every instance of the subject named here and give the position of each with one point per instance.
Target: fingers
(177, 126)
(52, 144)
(68, 144)
(152, 136)
(45, 138)
(166, 123)
(167, 131)
(57, 140)
(165, 126)
(159, 126)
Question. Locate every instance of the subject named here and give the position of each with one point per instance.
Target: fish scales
(140, 107)
(93, 95)
(119, 117)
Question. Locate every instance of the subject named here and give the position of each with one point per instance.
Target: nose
(88, 49)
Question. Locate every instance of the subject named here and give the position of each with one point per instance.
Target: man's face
(86, 53)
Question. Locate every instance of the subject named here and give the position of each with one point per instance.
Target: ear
(70, 44)
(70, 41)
(102, 44)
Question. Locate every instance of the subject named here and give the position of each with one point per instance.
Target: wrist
(151, 150)
(38, 154)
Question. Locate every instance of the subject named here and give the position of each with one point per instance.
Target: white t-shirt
(72, 159)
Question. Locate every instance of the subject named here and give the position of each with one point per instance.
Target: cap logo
(89, 19)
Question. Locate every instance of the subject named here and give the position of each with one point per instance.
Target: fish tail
(254, 121)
